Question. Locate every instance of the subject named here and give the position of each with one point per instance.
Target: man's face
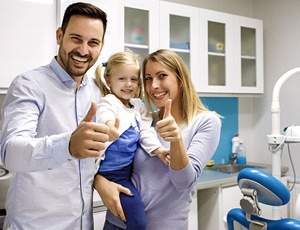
(80, 45)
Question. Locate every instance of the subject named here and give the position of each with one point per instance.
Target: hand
(167, 127)
(113, 127)
(89, 138)
(163, 154)
(110, 195)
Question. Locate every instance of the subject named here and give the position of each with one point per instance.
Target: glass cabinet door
(137, 30)
(179, 31)
(216, 52)
(249, 55)
(180, 38)
(140, 26)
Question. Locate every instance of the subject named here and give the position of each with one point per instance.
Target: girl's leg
(133, 209)
(132, 205)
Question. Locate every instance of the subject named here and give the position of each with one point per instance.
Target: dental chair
(260, 187)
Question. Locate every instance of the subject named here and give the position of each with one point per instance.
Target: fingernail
(131, 193)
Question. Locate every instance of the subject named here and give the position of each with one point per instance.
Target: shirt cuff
(60, 148)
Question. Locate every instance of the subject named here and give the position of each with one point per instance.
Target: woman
(186, 127)
(121, 87)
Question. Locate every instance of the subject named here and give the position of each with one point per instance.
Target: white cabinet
(248, 55)
(179, 31)
(230, 198)
(231, 53)
(216, 49)
(209, 216)
(138, 26)
(99, 214)
(193, 215)
(223, 52)
(214, 203)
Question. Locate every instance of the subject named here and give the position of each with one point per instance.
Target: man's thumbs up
(91, 113)
(89, 138)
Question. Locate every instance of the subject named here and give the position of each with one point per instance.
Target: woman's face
(161, 84)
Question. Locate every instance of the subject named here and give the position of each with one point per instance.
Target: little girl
(129, 122)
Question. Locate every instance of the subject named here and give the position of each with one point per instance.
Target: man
(48, 138)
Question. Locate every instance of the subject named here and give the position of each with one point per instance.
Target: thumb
(91, 113)
(167, 111)
(117, 123)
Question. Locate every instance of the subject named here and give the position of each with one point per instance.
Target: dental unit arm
(276, 139)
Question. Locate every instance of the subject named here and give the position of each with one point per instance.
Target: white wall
(239, 7)
(282, 53)
(27, 36)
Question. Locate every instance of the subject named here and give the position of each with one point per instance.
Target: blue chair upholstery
(260, 187)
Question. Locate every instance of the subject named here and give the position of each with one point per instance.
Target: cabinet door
(138, 25)
(179, 31)
(99, 215)
(248, 55)
(230, 198)
(216, 63)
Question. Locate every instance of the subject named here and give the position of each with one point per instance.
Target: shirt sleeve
(21, 149)
(107, 109)
(148, 136)
(201, 142)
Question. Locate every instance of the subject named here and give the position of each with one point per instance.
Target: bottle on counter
(241, 159)
(235, 143)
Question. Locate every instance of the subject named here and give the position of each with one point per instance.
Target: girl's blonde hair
(191, 104)
(117, 59)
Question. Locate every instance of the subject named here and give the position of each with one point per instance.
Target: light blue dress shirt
(49, 188)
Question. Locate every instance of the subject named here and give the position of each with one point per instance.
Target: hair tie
(104, 64)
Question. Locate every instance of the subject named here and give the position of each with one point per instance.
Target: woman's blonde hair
(191, 104)
(117, 59)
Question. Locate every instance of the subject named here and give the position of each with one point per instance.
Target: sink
(232, 168)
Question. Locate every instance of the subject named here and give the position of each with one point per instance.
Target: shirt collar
(64, 77)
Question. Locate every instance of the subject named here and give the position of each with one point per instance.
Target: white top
(110, 107)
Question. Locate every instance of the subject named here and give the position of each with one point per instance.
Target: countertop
(210, 178)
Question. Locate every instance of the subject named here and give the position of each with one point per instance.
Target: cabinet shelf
(216, 54)
(138, 46)
(180, 50)
(248, 57)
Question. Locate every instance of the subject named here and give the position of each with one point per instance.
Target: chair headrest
(270, 190)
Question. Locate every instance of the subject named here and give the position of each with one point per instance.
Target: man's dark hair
(84, 9)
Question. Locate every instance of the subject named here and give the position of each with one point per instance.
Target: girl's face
(124, 82)
(161, 84)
